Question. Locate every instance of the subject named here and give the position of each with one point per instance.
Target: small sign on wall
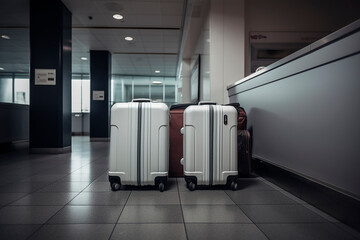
(45, 76)
(98, 95)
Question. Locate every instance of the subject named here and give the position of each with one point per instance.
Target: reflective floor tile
(98, 187)
(101, 198)
(214, 214)
(6, 198)
(44, 178)
(350, 230)
(171, 185)
(321, 213)
(65, 187)
(15, 232)
(310, 231)
(87, 214)
(205, 197)
(212, 231)
(158, 231)
(153, 198)
(151, 214)
(82, 177)
(259, 197)
(103, 177)
(280, 214)
(27, 214)
(74, 231)
(182, 185)
(253, 184)
(296, 199)
(24, 187)
(50, 199)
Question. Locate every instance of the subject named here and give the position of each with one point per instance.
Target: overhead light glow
(118, 16)
(156, 82)
(129, 38)
(157, 71)
(5, 37)
(2, 69)
(84, 58)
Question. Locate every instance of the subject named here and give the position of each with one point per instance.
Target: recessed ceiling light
(118, 16)
(84, 58)
(129, 38)
(5, 37)
(157, 71)
(2, 69)
(156, 82)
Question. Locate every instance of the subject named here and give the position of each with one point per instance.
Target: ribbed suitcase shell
(210, 145)
(139, 149)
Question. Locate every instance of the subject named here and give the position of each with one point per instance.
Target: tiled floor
(68, 196)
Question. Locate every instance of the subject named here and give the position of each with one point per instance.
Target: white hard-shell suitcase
(139, 144)
(210, 145)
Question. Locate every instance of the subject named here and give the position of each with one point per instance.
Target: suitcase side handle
(141, 100)
(207, 103)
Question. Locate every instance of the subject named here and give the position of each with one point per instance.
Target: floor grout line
(182, 211)
(122, 210)
(247, 215)
(42, 225)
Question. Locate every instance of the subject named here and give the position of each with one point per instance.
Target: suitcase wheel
(191, 186)
(161, 187)
(115, 186)
(233, 185)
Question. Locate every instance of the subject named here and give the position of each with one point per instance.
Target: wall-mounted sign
(98, 95)
(45, 76)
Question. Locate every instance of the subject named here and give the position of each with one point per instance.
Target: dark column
(50, 94)
(100, 76)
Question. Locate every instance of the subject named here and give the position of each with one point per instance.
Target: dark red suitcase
(176, 140)
(244, 143)
(244, 153)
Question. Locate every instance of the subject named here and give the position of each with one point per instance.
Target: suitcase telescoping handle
(141, 100)
(207, 103)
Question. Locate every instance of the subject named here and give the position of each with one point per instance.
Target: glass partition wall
(14, 88)
(80, 93)
(158, 89)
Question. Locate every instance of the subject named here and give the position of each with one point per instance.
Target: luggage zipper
(139, 144)
(211, 144)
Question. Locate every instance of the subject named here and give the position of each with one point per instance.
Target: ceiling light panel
(118, 16)
(5, 37)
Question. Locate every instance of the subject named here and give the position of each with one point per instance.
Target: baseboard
(14, 146)
(80, 134)
(92, 139)
(340, 206)
(51, 150)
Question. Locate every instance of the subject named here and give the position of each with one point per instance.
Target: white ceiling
(155, 26)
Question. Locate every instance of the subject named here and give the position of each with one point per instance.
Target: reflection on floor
(68, 196)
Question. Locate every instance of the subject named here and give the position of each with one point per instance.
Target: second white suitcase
(210, 145)
(139, 144)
